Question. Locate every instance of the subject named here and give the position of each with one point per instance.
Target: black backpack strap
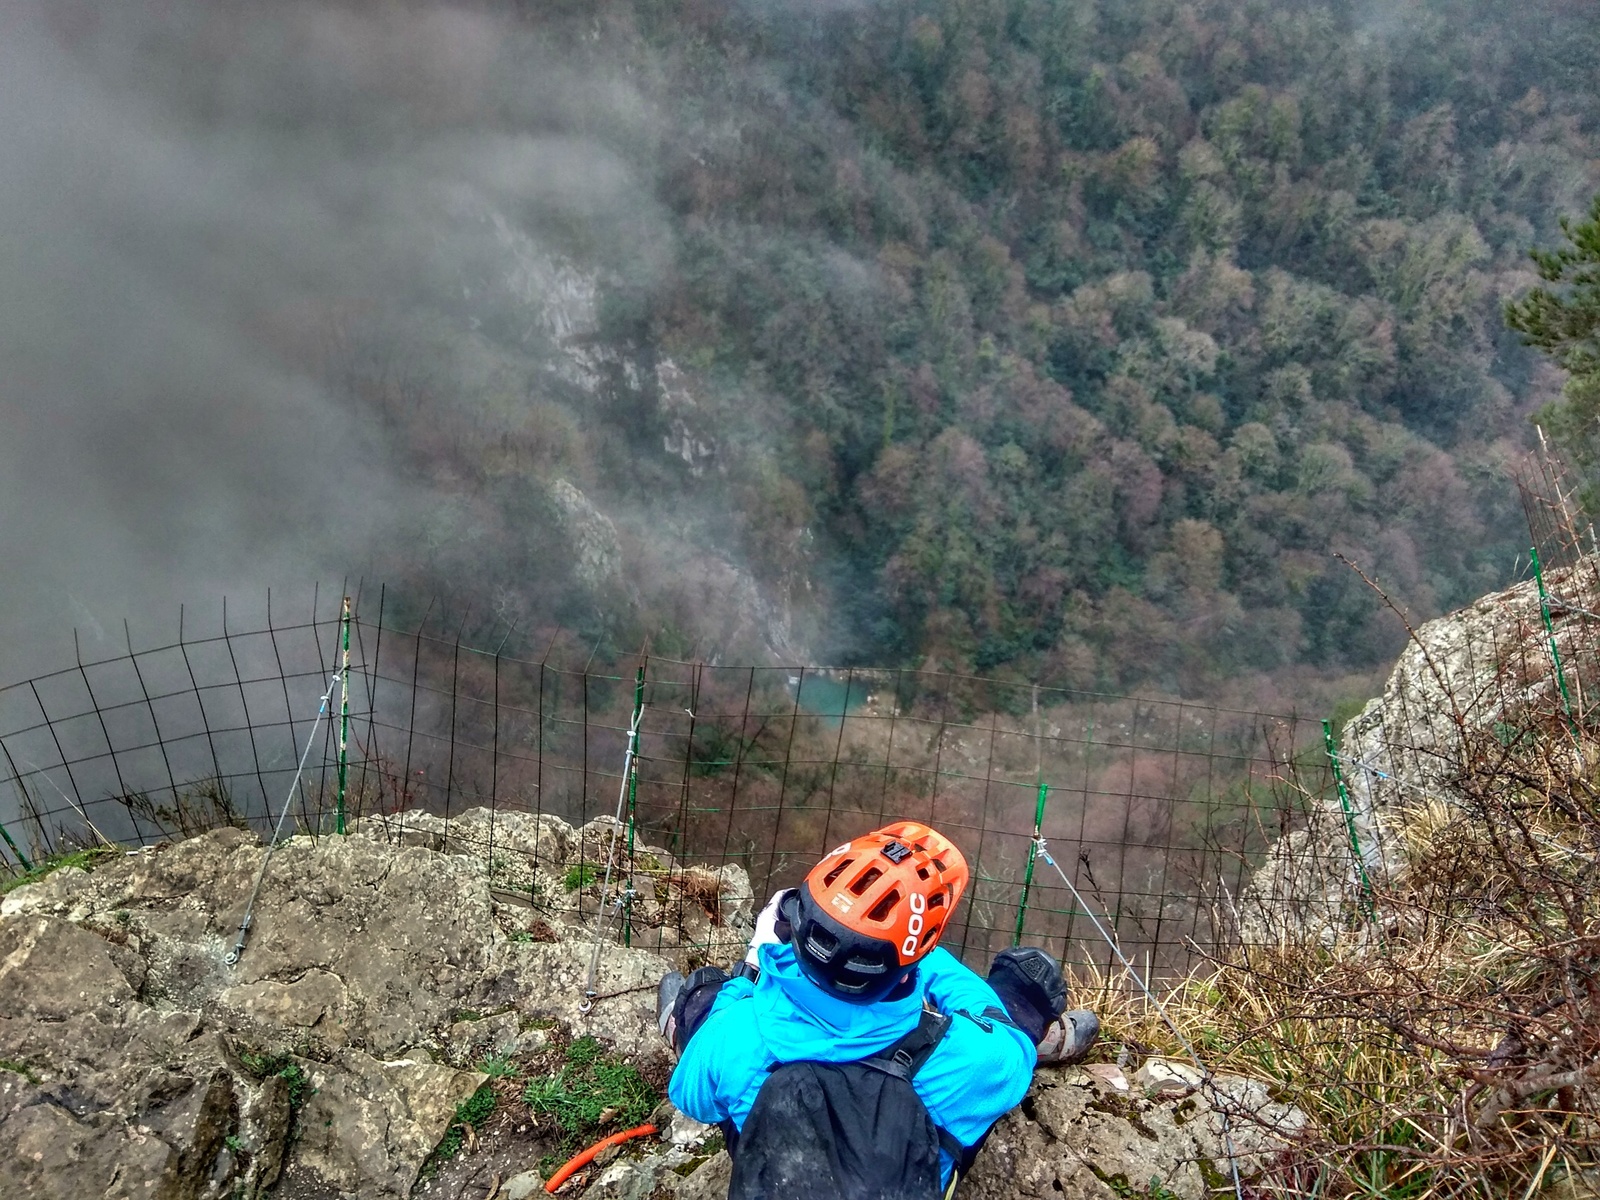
(906, 1057)
(951, 1145)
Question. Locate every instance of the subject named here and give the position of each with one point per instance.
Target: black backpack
(845, 1131)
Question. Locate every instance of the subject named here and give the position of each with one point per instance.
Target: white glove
(766, 933)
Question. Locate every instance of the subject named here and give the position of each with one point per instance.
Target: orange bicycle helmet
(873, 907)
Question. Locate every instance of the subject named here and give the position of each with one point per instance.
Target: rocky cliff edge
(381, 973)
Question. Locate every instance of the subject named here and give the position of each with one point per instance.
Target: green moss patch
(85, 860)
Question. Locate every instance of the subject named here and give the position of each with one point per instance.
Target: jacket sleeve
(695, 1087)
(977, 1046)
(954, 987)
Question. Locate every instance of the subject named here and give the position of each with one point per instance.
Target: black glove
(1028, 982)
(694, 1002)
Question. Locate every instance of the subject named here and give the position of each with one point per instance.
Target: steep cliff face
(383, 970)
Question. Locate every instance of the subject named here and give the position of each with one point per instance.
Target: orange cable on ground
(583, 1156)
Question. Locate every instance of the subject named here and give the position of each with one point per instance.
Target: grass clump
(580, 876)
(1442, 1037)
(204, 805)
(497, 1066)
(85, 860)
(471, 1113)
(590, 1091)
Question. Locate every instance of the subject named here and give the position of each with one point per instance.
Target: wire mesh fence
(1562, 534)
(1155, 808)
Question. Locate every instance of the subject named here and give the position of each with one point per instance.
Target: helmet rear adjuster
(873, 907)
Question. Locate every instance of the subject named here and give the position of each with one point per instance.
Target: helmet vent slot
(821, 944)
(868, 877)
(936, 901)
(922, 872)
(828, 879)
(884, 907)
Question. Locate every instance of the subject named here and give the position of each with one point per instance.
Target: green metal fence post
(1033, 854)
(344, 716)
(23, 807)
(1550, 631)
(15, 849)
(1349, 823)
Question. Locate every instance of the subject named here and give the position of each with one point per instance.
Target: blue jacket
(978, 1073)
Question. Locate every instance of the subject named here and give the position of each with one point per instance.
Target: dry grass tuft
(1451, 1049)
(704, 887)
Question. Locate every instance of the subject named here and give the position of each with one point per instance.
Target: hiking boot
(666, 1005)
(1068, 1038)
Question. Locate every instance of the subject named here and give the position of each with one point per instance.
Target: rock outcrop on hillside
(380, 971)
(1483, 671)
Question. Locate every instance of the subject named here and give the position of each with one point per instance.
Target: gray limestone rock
(152, 1069)
(522, 1185)
(331, 1060)
(1076, 1136)
(1468, 674)
(369, 1125)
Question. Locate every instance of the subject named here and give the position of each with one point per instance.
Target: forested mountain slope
(1064, 340)
(1094, 328)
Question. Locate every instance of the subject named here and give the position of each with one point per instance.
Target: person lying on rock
(852, 1057)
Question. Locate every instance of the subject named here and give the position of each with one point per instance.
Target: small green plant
(521, 936)
(475, 1110)
(585, 1050)
(1156, 1191)
(12, 1065)
(299, 1085)
(85, 860)
(122, 916)
(708, 1149)
(468, 1014)
(496, 1066)
(589, 1086)
(579, 877)
(234, 1143)
(264, 1066)
(1511, 736)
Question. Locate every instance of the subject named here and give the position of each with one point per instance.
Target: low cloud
(196, 202)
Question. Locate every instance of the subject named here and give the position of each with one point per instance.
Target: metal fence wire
(1158, 808)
